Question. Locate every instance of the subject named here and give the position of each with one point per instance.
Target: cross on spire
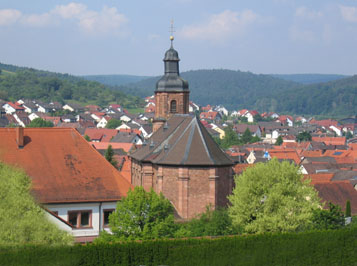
(172, 30)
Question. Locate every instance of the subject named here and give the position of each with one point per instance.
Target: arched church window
(173, 107)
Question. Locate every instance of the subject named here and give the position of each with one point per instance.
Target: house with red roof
(286, 120)
(250, 115)
(330, 140)
(100, 134)
(11, 108)
(70, 179)
(210, 116)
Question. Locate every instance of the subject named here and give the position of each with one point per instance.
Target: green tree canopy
(247, 136)
(230, 138)
(333, 218)
(272, 197)
(303, 136)
(142, 215)
(22, 221)
(113, 123)
(279, 141)
(39, 122)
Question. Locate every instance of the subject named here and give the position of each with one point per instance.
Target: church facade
(181, 159)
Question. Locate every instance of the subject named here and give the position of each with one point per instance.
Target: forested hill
(309, 78)
(336, 97)
(227, 87)
(21, 82)
(115, 80)
(237, 90)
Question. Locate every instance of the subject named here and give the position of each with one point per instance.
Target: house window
(106, 214)
(80, 219)
(173, 106)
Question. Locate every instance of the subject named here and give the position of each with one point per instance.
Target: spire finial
(172, 30)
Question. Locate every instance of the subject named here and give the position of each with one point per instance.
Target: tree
(348, 209)
(22, 221)
(349, 135)
(246, 137)
(272, 197)
(332, 218)
(230, 138)
(39, 122)
(257, 118)
(113, 123)
(210, 223)
(109, 155)
(279, 141)
(142, 215)
(87, 138)
(303, 136)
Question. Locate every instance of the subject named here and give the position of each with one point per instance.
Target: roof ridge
(178, 139)
(215, 143)
(203, 140)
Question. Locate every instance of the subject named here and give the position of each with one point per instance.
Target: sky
(130, 37)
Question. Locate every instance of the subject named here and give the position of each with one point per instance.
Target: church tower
(172, 93)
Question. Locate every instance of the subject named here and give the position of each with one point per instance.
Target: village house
(70, 179)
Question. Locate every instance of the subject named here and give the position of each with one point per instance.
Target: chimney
(20, 137)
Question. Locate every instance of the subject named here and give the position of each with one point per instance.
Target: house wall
(97, 216)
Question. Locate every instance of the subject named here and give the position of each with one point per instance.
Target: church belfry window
(173, 108)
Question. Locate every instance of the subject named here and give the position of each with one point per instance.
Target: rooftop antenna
(172, 30)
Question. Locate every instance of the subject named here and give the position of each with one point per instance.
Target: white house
(103, 122)
(337, 130)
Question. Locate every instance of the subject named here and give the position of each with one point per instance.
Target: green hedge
(336, 247)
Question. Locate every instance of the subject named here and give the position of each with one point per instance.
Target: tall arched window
(173, 107)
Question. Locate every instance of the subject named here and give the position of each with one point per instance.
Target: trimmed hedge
(337, 247)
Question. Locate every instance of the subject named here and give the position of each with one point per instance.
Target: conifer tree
(109, 155)
(348, 208)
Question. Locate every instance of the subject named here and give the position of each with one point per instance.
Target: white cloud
(349, 13)
(220, 26)
(35, 20)
(72, 10)
(303, 12)
(107, 20)
(298, 34)
(9, 16)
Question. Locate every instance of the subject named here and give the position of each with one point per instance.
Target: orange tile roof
(285, 155)
(239, 167)
(320, 178)
(330, 140)
(126, 169)
(317, 153)
(63, 166)
(345, 160)
(102, 134)
(104, 145)
(338, 192)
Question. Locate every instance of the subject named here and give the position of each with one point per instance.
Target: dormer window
(173, 107)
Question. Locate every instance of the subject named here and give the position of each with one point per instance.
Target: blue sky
(131, 37)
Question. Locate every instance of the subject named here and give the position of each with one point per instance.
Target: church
(181, 160)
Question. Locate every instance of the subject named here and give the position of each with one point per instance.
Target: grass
(135, 111)
(7, 73)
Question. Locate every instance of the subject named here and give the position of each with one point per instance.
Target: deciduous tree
(22, 221)
(142, 215)
(39, 122)
(113, 123)
(272, 197)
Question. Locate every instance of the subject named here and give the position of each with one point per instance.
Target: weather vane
(172, 30)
